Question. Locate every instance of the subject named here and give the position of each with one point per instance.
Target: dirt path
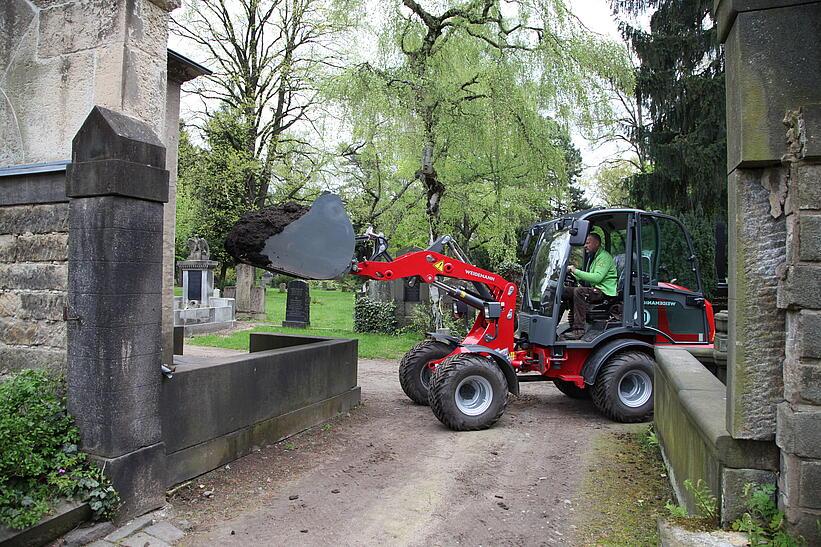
(390, 473)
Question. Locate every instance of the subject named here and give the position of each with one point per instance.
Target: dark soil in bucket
(247, 238)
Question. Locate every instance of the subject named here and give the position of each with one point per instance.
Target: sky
(596, 15)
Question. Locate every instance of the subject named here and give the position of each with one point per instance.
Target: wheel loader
(660, 302)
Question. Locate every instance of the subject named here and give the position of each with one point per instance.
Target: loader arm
(494, 325)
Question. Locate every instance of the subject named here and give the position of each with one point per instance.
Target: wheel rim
(635, 388)
(473, 395)
(424, 376)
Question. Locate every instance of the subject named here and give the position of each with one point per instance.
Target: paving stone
(165, 531)
(141, 539)
(87, 534)
(129, 528)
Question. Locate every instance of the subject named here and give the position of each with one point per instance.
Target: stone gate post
(117, 183)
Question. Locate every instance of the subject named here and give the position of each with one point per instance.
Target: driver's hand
(572, 269)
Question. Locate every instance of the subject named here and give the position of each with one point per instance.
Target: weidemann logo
(480, 275)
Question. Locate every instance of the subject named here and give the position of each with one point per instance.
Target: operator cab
(654, 258)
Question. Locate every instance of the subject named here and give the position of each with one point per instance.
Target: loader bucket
(315, 243)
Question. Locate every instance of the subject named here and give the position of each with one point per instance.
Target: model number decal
(667, 303)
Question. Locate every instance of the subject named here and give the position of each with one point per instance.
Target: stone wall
(799, 294)
(59, 59)
(33, 276)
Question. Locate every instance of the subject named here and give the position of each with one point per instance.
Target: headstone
(411, 292)
(282, 287)
(297, 305)
(267, 277)
(197, 273)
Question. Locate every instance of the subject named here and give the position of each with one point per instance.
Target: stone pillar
(117, 183)
(772, 67)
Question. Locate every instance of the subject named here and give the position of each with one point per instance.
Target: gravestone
(282, 287)
(298, 305)
(267, 277)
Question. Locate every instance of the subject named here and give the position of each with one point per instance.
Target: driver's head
(592, 243)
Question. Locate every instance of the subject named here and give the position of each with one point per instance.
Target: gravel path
(390, 473)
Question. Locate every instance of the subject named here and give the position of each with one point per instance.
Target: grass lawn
(331, 316)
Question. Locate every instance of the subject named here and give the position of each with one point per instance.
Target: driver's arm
(600, 269)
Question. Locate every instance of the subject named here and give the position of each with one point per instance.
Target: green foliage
(422, 321)
(211, 190)
(373, 316)
(650, 440)
(675, 510)
(706, 502)
(763, 522)
(40, 461)
(479, 97)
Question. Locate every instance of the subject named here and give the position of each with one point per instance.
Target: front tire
(624, 387)
(414, 373)
(572, 390)
(468, 392)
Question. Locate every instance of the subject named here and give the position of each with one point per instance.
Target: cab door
(672, 295)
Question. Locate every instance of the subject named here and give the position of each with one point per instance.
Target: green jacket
(602, 274)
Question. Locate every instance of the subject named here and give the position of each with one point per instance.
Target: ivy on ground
(40, 462)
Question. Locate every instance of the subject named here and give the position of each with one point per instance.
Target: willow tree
(478, 98)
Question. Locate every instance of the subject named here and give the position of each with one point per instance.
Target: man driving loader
(601, 276)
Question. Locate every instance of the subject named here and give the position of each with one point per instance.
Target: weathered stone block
(42, 247)
(116, 212)
(810, 244)
(800, 287)
(759, 93)
(9, 303)
(13, 359)
(810, 485)
(40, 305)
(802, 382)
(116, 178)
(725, 11)
(756, 341)
(798, 430)
(808, 334)
(98, 342)
(72, 26)
(32, 333)
(140, 491)
(807, 178)
(115, 310)
(15, 15)
(115, 245)
(33, 276)
(114, 422)
(37, 219)
(116, 277)
(109, 135)
(733, 481)
(101, 376)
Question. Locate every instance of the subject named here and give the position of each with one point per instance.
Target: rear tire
(414, 374)
(572, 390)
(624, 387)
(468, 392)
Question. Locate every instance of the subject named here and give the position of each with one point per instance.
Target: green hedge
(373, 316)
(40, 461)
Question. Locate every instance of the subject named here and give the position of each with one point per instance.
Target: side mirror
(578, 232)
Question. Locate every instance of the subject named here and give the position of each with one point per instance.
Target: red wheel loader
(466, 382)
